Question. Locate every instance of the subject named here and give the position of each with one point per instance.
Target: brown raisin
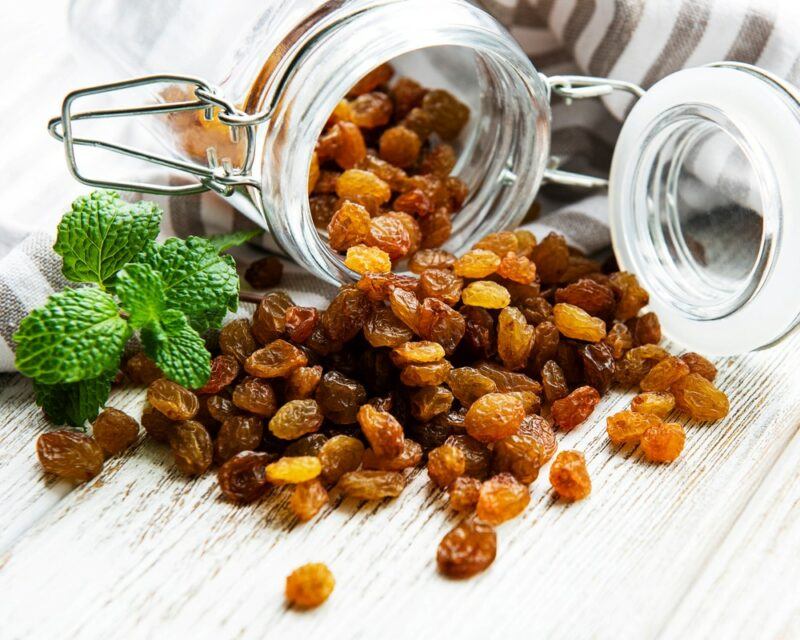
(599, 366)
(569, 476)
(409, 457)
(70, 455)
(301, 322)
(438, 322)
(436, 228)
(646, 329)
(307, 499)
(467, 549)
(658, 403)
(348, 227)
(349, 149)
(243, 477)
(594, 298)
(276, 360)
(501, 498)
(663, 442)
(339, 397)
(296, 418)
(191, 447)
(442, 284)
(468, 384)
(156, 424)
(479, 334)
(390, 235)
(269, 320)
(370, 110)
(464, 493)
(414, 202)
(172, 399)
(382, 430)
(570, 411)
(494, 416)
(142, 370)
(699, 364)
(631, 295)
(224, 370)
(541, 430)
(114, 431)
(346, 314)
(431, 259)
(384, 329)
(551, 257)
(406, 94)
(448, 114)
(520, 455)
(553, 381)
(477, 456)
(428, 402)
(264, 273)
(237, 434)
(339, 455)
(619, 339)
(699, 398)
(372, 485)
(236, 339)
(445, 464)
(412, 228)
(420, 122)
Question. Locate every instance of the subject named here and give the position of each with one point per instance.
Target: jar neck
(457, 47)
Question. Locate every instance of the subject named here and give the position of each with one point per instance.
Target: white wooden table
(706, 547)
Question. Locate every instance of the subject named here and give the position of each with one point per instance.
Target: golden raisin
(348, 227)
(276, 360)
(425, 375)
(659, 403)
(664, 374)
(445, 464)
(464, 493)
(477, 263)
(293, 470)
(378, 77)
(399, 146)
(521, 455)
(363, 259)
(420, 352)
(698, 397)
(570, 411)
(362, 186)
(632, 297)
(389, 233)
(431, 259)
(627, 427)
(514, 338)
(699, 364)
(574, 322)
(467, 549)
(309, 586)
(382, 430)
(372, 485)
(296, 418)
(517, 268)
(172, 399)
(663, 442)
(486, 294)
(370, 110)
(494, 416)
(410, 457)
(307, 499)
(502, 498)
(569, 476)
(442, 284)
(339, 455)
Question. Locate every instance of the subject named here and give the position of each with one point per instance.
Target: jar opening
(706, 196)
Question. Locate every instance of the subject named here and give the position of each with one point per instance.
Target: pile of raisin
(379, 180)
(467, 367)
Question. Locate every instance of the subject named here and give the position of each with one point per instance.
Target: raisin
(457, 192)
(467, 549)
(569, 476)
(537, 310)
(348, 227)
(114, 431)
(379, 286)
(379, 76)
(363, 259)
(428, 402)
(486, 294)
(425, 259)
(221, 408)
(700, 365)
(172, 399)
(406, 94)
(384, 329)
(323, 208)
(269, 320)
(479, 335)
(293, 470)
(276, 360)
(526, 241)
(400, 146)
(345, 316)
(362, 187)
(224, 370)
(631, 295)
(420, 122)
(501, 498)
(326, 184)
(302, 383)
(477, 456)
(542, 432)
(142, 370)
(594, 298)
(307, 499)
(370, 110)
(477, 263)
(191, 447)
(296, 418)
(309, 445)
(382, 430)
(389, 234)
(627, 427)
(448, 114)
(414, 202)
(619, 339)
(553, 381)
(156, 424)
(301, 322)
(421, 352)
(339, 397)
(574, 322)
(468, 384)
(237, 434)
(309, 586)
(442, 284)
(647, 329)
(243, 478)
(514, 338)
(699, 398)
(551, 257)
(425, 375)
(445, 464)
(236, 339)
(664, 374)
(570, 411)
(339, 455)
(658, 403)
(313, 176)
(440, 323)
(70, 455)
(599, 366)
(517, 269)
(439, 160)
(494, 416)
(520, 455)
(348, 149)
(436, 228)
(264, 273)
(409, 457)
(464, 493)
(663, 442)
(372, 485)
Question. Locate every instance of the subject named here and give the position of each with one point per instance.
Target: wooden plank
(750, 587)
(142, 550)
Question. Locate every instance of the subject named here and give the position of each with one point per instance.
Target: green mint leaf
(77, 335)
(141, 292)
(102, 233)
(197, 280)
(76, 402)
(225, 241)
(177, 349)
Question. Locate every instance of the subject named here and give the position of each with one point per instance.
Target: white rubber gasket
(767, 118)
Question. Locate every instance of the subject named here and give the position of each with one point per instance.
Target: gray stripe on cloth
(39, 249)
(753, 35)
(12, 311)
(627, 14)
(581, 15)
(527, 15)
(690, 25)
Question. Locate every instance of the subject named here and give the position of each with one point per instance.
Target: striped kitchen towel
(639, 41)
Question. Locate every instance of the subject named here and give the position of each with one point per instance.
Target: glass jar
(702, 197)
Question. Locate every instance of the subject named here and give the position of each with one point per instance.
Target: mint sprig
(169, 292)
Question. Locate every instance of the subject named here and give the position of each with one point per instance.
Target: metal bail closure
(220, 177)
(705, 202)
